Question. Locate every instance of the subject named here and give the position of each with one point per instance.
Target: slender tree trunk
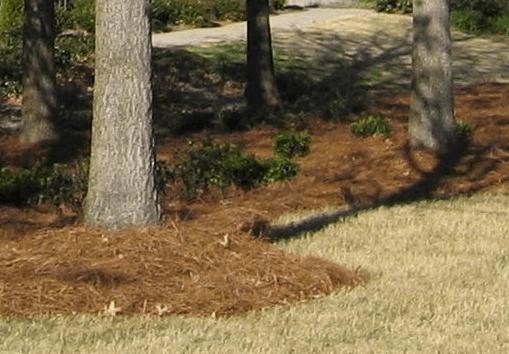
(432, 123)
(122, 190)
(261, 88)
(39, 88)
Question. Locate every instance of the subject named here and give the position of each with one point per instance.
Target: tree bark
(432, 123)
(122, 190)
(39, 87)
(261, 90)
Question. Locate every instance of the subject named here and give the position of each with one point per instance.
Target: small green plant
(372, 125)
(279, 4)
(392, 6)
(290, 143)
(465, 130)
(222, 165)
(279, 168)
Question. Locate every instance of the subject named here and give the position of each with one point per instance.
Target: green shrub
(81, 14)
(10, 62)
(166, 13)
(227, 10)
(469, 21)
(488, 8)
(11, 15)
(290, 143)
(372, 125)
(47, 184)
(11, 28)
(222, 165)
(73, 49)
(500, 25)
(279, 4)
(392, 6)
(279, 168)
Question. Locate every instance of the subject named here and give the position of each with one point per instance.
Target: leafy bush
(222, 165)
(500, 25)
(392, 6)
(469, 21)
(45, 184)
(279, 168)
(166, 13)
(227, 10)
(279, 4)
(11, 15)
(10, 63)
(372, 125)
(290, 143)
(488, 8)
(11, 25)
(81, 14)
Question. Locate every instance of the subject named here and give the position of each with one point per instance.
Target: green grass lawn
(438, 284)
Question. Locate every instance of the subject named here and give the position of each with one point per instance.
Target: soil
(214, 256)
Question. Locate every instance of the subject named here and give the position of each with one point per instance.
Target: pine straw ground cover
(204, 261)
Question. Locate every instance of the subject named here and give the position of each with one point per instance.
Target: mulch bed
(204, 260)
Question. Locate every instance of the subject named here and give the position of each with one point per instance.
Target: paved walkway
(237, 31)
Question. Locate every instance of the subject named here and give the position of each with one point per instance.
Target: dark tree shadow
(417, 192)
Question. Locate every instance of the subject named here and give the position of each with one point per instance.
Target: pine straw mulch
(204, 260)
(156, 271)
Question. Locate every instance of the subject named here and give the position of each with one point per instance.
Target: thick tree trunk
(261, 88)
(39, 91)
(432, 123)
(122, 190)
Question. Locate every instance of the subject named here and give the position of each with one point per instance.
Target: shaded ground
(203, 260)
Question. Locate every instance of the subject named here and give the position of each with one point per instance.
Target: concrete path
(237, 31)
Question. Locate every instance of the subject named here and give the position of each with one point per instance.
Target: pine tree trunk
(122, 190)
(39, 88)
(432, 123)
(261, 88)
